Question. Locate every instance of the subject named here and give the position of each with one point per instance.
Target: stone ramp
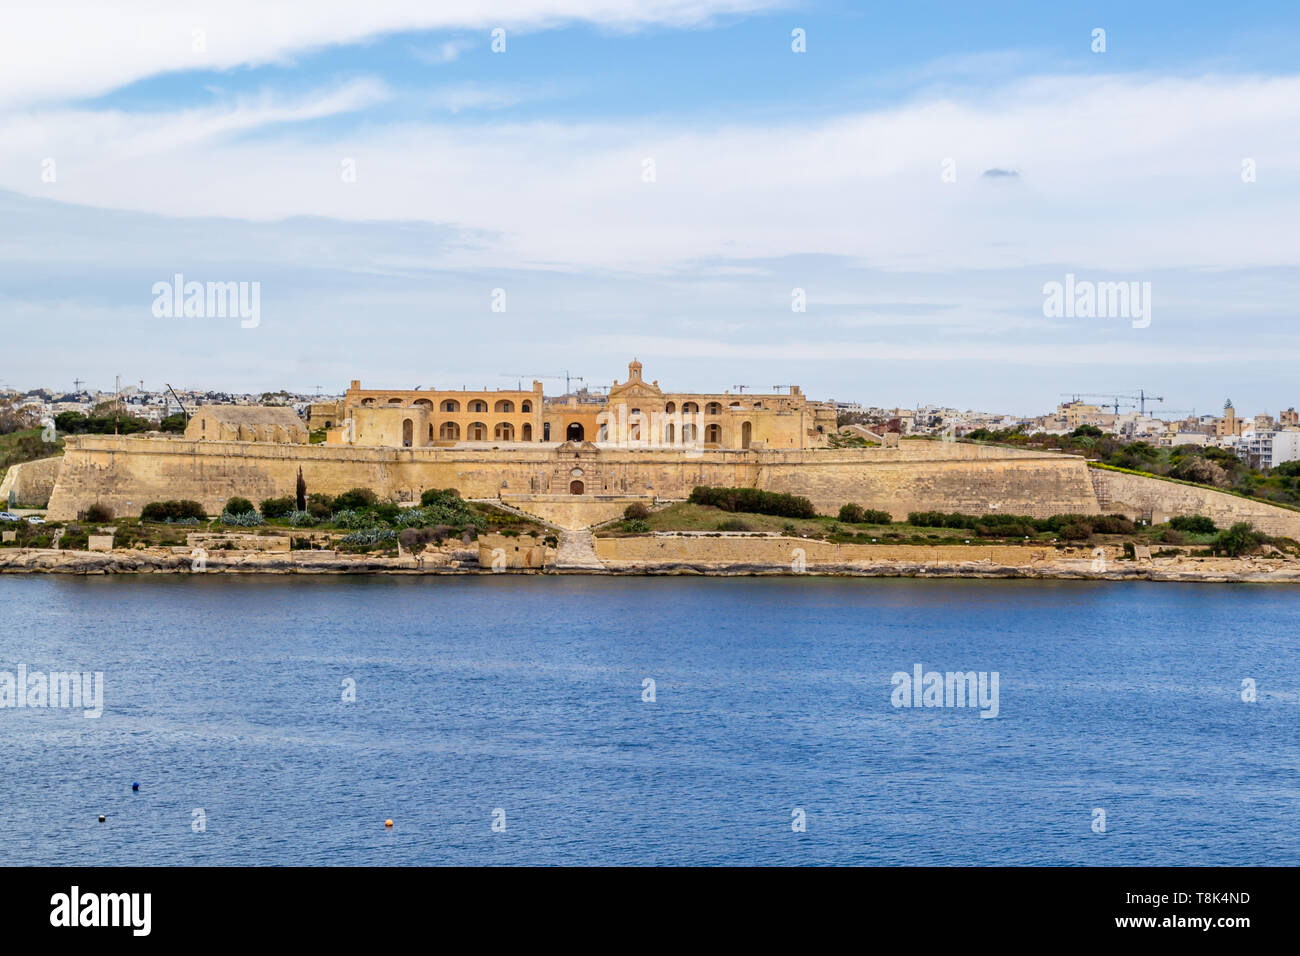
(577, 552)
(503, 506)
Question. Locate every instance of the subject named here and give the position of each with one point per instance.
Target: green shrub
(1111, 524)
(238, 506)
(355, 498)
(320, 506)
(635, 525)
(1076, 531)
(437, 496)
(754, 501)
(278, 507)
(733, 524)
(173, 511)
(636, 511)
(1240, 539)
(1193, 524)
(852, 514)
(446, 506)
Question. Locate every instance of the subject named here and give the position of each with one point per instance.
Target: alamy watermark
(57, 689)
(1085, 299)
(923, 688)
(208, 300)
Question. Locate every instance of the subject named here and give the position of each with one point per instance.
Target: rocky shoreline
(179, 561)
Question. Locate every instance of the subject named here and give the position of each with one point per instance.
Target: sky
(867, 200)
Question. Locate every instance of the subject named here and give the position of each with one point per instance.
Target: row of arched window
(693, 408)
(503, 406)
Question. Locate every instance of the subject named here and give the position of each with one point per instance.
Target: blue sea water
(524, 694)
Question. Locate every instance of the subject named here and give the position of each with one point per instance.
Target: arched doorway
(575, 487)
(408, 432)
(574, 433)
(546, 431)
(449, 431)
(746, 433)
(713, 435)
(477, 432)
(527, 433)
(504, 431)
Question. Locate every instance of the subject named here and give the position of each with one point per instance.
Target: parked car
(6, 516)
(35, 519)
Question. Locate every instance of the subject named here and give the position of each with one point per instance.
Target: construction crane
(184, 411)
(740, 388)
(564, 374)
(1141, 398)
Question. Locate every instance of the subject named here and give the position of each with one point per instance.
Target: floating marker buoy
(387, 823)
(101, 818)
(135, 786)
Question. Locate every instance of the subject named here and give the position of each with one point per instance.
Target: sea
(567, 719)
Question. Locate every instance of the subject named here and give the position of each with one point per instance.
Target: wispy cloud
(61, 49)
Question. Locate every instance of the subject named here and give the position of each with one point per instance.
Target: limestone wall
(126, 473)
(788, 552)
(32, 482)
(1158, 500)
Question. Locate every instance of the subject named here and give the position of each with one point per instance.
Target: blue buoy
(135, 786)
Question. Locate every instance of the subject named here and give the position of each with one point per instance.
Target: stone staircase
(577, 552)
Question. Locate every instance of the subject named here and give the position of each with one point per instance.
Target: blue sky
(210, 139)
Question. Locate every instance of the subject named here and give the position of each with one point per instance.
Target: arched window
(478, 405)
(735, 405)
(670, 408)
(713, 408)
(504, 431)
(450, 405)
(546, 431)
(670, 434)
(602, 433)
(574, 432)
(449, 431)
(505, 405)
(690, 408)
(477, 431)
(367, 402)
(713, 434)
(690, 433)
(423, 401)
(526, 407)
(394, 401)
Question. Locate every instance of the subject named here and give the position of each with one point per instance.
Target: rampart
(126, 473)
(1157, 501)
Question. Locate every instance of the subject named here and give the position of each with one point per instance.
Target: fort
(574, 463)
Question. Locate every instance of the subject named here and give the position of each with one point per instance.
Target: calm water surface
(525, 694)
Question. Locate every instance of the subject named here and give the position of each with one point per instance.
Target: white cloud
(53, 50)
(1117, 175)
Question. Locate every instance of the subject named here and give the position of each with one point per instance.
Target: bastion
(126, 473)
